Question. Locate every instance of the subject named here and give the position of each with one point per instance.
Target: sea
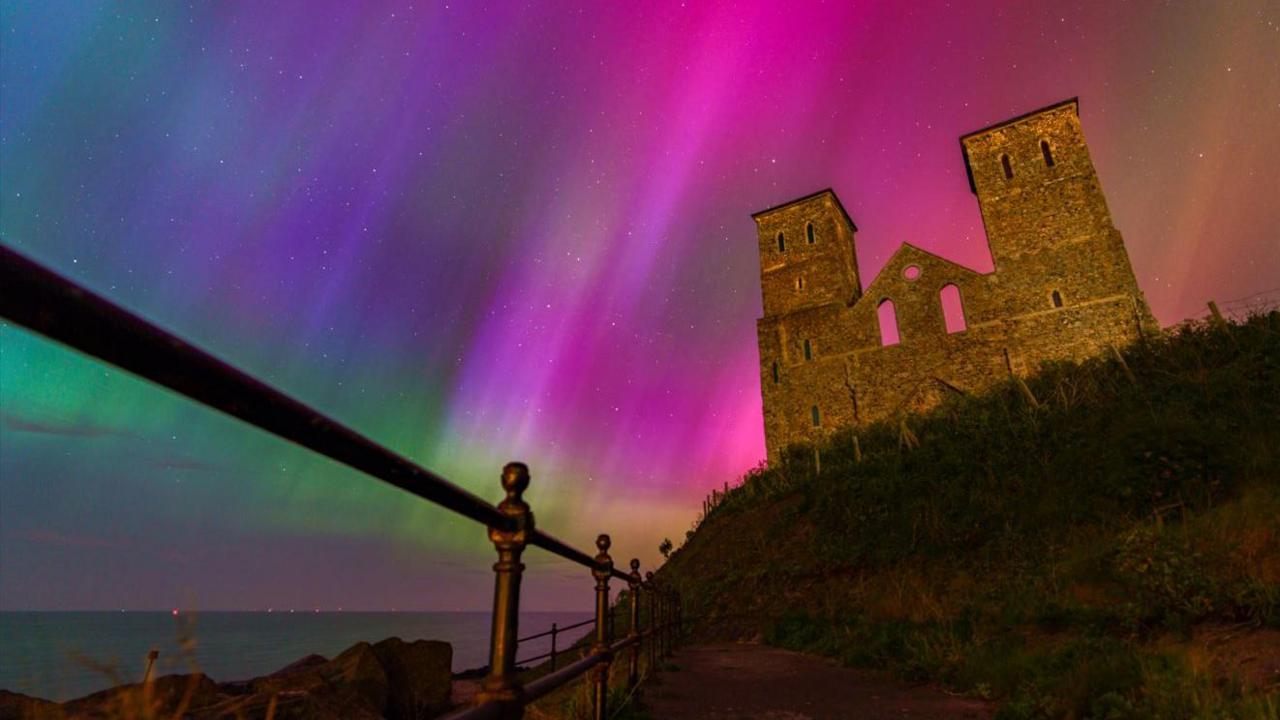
(65, 655)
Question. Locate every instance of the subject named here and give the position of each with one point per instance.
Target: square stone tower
(809, 278)
(1046, 219)
(806, 254)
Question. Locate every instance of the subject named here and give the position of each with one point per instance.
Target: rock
(305, 675)
(357, 670)
(275, 681)
(419, 676)
(291, 705)
(16, 706)
(166, 696)
(394, 680)
(309, 662)
(352, 685)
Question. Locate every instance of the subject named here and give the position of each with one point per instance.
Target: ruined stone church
(833, 355)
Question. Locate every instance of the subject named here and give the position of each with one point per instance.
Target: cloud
(89, 542)
(17, 423)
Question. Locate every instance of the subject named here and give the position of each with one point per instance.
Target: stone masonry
(1062, 289)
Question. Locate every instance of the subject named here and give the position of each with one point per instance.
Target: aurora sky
(483, 232)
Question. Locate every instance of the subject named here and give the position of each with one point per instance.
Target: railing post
(633, 583)
(679, 618)
(553, 646)
(500, 687)
(661, 597)
(601, 572)
(653, 622)
(663, 621)
(665, 612)
(670, 635)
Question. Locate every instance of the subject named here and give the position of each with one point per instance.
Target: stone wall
(1062, 288)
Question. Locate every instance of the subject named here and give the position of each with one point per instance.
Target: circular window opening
(912, 272)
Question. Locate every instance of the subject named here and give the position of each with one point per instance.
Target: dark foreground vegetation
(1099, 541)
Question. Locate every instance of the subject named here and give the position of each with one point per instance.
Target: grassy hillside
(1101, 541)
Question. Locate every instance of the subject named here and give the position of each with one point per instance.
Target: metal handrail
(58, 308)
(47, 303)
(555, 629)
(553, 681)
(554, 632)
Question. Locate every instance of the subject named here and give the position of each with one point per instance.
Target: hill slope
(1100, 541)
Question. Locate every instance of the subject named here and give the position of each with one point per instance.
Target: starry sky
(479, 232)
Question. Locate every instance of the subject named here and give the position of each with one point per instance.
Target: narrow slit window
(1048, 154)
(952, 309)
(808, 231)
(808, 350)
(1057, 298)
(800, 282)
(817, 417)
(782, 243)
(776, 378)
(888, 316)
(1008, 169)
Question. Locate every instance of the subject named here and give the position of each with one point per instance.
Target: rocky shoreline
(391, 679)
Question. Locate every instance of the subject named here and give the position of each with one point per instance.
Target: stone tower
(806, 254)
(809, 278)
(834, 355)
(1046, 219)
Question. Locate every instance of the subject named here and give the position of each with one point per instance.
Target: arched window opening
(1057, 298)
(808, 231)
(1008, 169)
(1048, 154)
(808, 350)
(800, 282)
(776, 377)
(782, 243)
(952, 309)
(888, 316)
(817, 417)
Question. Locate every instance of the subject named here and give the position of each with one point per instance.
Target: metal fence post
(601, 572)
(671, 622)
(666, 622)
(633, 583)
(500, 687)
(663, 622)
(675, 621)
(553, 646)
(667, 627)
(653, 622)
(679, 608)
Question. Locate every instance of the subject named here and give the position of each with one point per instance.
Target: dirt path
(755, 682)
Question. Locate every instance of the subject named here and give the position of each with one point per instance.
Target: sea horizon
(65, 654)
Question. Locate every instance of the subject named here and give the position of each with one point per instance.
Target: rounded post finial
(515, 479)
(635, 564)
(648, 577)
(604, 563)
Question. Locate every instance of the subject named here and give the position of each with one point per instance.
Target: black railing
(554, 632)
(49, 304)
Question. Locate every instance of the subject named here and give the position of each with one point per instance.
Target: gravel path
(755, 682)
